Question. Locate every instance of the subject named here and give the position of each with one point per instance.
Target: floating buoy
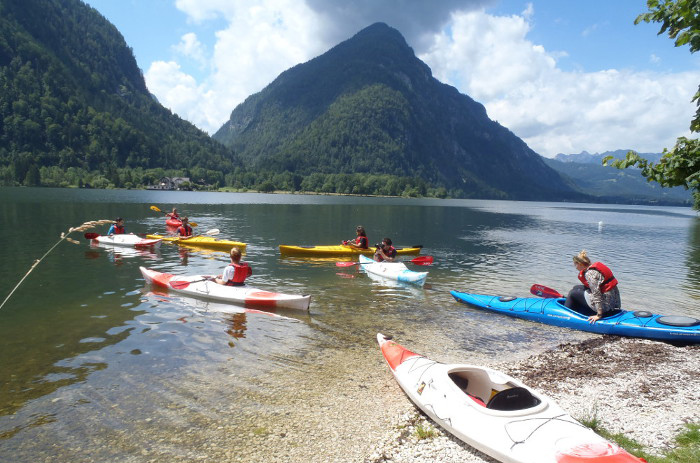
(600, 226)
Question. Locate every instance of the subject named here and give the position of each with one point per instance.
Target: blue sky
(565, 76)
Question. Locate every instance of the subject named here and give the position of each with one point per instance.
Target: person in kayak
(385, 251)
(117, 228)
(173, 214)
(184, 230)
(361, 241)
(236, 272)
(598, 296)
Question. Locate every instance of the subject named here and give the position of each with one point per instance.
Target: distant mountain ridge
(608, 184)
(584, 157)
(369, 105)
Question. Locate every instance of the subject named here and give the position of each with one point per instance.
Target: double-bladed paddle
(543, 291)
(420, 260)
(156, 209)
(182, 284)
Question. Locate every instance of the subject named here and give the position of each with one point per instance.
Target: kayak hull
(202, 242)
(173, 222)
(127, 240)
(551, 311)
(495, 413)
(193, 285)
(337, 251)
(392, 271)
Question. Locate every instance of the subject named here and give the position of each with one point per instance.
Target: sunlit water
(93, 362)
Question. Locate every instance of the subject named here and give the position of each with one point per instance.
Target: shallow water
(95, 365)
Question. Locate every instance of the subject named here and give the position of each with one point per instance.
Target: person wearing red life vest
(173, 214)
(184, 230)
(385, 252)
(361, 241)
(236, 272)
(598, 295)
(117, 228)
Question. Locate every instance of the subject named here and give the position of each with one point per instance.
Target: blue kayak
(551, 311)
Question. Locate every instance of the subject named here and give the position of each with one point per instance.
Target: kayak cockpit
(480, 387)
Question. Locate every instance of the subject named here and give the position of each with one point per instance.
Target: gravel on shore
(643, 389)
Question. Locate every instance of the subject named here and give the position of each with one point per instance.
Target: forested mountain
(370, 106)
(608, 184)
(74, 105)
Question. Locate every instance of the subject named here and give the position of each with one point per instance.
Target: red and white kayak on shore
(495, 413)
(127, 240)
(202, 287)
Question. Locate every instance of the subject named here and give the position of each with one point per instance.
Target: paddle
(156, 209)
(420, 260)
(184, 284)
(543, 291)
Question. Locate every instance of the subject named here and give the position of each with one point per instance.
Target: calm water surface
(93, 362)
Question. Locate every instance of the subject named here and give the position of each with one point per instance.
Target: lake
(97, 366)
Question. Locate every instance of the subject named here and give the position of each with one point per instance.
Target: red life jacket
(240, 273)
(391, 252)
(119, 230)
(362, 241)
(184, 230)
(609, 280)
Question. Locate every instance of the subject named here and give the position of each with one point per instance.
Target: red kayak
(170, 222)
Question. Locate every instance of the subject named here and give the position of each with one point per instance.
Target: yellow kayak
(202, 242)
(338, 250)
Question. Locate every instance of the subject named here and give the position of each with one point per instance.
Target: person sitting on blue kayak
(236, 272)
(361, 242)
(598, 296)
(385, 251)
(117, 228)
(184, 230)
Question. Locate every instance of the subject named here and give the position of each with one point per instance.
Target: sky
(565, 76)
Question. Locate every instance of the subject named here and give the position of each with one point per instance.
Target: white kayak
(202, 287)
(392, 271)
(495, 413)
(130, 240)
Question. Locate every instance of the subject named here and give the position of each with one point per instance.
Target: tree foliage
(679, 166)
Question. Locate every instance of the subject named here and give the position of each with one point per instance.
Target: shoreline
(645, 390)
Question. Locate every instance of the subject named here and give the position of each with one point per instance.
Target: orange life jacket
(240, 273)
(609, 280)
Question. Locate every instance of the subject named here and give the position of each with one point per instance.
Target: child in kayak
(184, 230)
(598, 296)
(236, 272)
(361, 242)
(385, 251)
(117, 228)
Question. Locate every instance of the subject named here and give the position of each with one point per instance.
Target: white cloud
(192, 48)
(519, 83)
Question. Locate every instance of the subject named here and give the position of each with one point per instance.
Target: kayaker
(598, 296)
(173, 214)
(184, 229)
(117, 228)
(385, 251)
(361, 241)
(236, 272)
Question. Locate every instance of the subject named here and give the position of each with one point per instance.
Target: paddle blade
(543, 291)
(423, 260)
(345, 264)
(212, 232)
(194, 224)
(179, 284)
(154, 208)
(91, 236)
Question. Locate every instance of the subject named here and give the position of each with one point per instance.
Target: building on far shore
(172, 183)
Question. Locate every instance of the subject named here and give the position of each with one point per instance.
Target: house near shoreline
(172, 183)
